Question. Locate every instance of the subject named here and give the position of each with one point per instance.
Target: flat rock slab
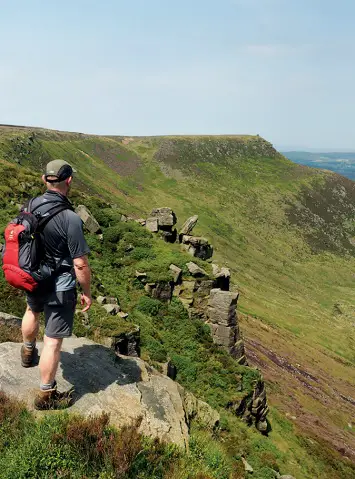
(124, 387)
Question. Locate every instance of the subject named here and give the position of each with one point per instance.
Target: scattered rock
(247, 466)
(197, 247)
(203, 287)
(262, 426)
(1, 247)
(88, 219)
(128, 343)
(238, 351)
(171, 371)
(189, 225)
(106, 300)
(101, 300)
(129, 248)
(169, 236)
(124, 218)
(124, 387)
(123, 315)
(195, 270)
(286, 477)
(152, 224)
(258, 407)
(215, 269)
(10, 320)
(149, 287)
(112, 309)
(111, 300)
(141, 276)
(166, 217)
(222, 277)
(177, 272)
(163, 291)
(242, 360)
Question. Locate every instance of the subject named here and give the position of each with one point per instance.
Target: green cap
(59, 169)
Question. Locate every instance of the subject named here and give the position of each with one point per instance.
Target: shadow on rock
(92, 368)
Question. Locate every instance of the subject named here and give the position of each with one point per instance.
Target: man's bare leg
(30, 326)
(49, 361)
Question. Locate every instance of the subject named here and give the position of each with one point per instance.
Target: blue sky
(281, 68)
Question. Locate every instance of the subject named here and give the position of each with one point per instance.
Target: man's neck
(57, 190)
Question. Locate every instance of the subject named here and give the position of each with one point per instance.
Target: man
(66, 251)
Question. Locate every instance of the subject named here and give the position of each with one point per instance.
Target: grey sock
(30, 344)
(47, 387)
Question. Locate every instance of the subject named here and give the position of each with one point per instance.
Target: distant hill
(342, 163)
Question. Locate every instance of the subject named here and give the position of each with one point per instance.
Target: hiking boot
(53, 399)
(28, 356)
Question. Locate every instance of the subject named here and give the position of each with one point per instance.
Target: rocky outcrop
(221, 277)
(165, 216)
(206, 298)
(152, 225)
(258, 407)
(253, 409)
(10, 320)
(188, 226)
(197, 247)
(88, 219)
(195, 270)
(222, 318)
(163, 220)
(126, 343)
(106, 300)
(125, 387)
(177, 273)
(162, 290)
(112, 309)
(169, 236)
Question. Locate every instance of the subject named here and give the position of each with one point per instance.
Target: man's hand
(83, 275)
(85, 300)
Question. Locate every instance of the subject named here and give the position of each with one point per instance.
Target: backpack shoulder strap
(51, 213)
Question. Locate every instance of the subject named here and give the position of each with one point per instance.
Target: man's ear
(69, 180)
(44, 179)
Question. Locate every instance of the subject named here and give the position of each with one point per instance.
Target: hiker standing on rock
(65, 253)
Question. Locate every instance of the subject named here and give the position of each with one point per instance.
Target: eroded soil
(309, 386)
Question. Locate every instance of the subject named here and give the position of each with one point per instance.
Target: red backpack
(23, 258)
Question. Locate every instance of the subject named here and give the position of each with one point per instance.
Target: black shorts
(59, 308)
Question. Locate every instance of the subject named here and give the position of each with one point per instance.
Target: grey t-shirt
(63, 239)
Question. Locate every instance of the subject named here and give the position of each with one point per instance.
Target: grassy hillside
(286, 232)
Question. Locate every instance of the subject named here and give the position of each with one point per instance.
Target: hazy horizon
(279, 69)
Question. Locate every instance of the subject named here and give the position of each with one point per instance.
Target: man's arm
(83, 275)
